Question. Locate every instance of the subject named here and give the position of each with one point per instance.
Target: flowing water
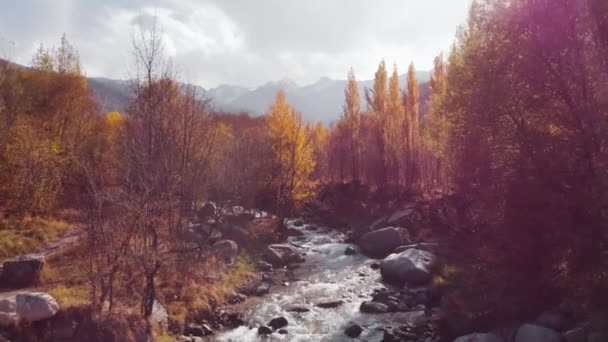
(326, 275)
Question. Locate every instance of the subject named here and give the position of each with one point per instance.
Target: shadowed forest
(502, 157)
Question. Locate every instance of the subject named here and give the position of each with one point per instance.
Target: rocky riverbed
(334, 295)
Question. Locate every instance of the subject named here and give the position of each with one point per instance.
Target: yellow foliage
(293, 152)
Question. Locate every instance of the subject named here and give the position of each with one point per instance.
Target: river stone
(36, 306)
(22, 271)
(264, 330)
(278, 323)
(536, 333)
(282, 254)
(412, 266)
(227, 249)
(383, 242)
(373, 307)
(296, 308)
(197, 330)
(330, 304)
(264, 266)
(353, 330)
(477, 337)
(350, 251)
(283, 332)
(262, 290)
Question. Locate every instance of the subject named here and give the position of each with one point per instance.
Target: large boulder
(536, 333)
(22, 271)
(477, 337)
(36, 306)
(227, 249)
(404, 217)
(383, 242)
(412, 266)
(281, 254)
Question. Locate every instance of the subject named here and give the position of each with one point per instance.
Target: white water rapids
(326, 275)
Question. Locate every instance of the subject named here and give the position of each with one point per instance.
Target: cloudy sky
(240, 42)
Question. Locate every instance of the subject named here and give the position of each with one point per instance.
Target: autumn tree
(525, 113)
(434, 126)
(376, 99)
(352, 116)
(394, 135)
(291, 141)
(412, 127)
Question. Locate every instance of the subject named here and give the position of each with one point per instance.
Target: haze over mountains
(320, 101)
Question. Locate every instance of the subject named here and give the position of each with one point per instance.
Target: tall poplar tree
(376, 106)
(352, 115)
(412, 107)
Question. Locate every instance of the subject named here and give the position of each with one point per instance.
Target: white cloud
(240, 41)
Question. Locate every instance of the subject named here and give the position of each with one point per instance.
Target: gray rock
(227, 249)
(283, 332)
(383, 242)
(264, 266)
(353, 330)
(36, 306)
(330, 304)
(22, 271)
(350, 251)
(262, 290)
(373, 307)
(278, 323)
(412, 266)
(264, 330)
(478, 337)
(536, 333)
(282, 254)
(196, 330)
(296, 308)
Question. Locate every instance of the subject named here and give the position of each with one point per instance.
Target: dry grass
(22, 235)
(197, 297)
(65, 277)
